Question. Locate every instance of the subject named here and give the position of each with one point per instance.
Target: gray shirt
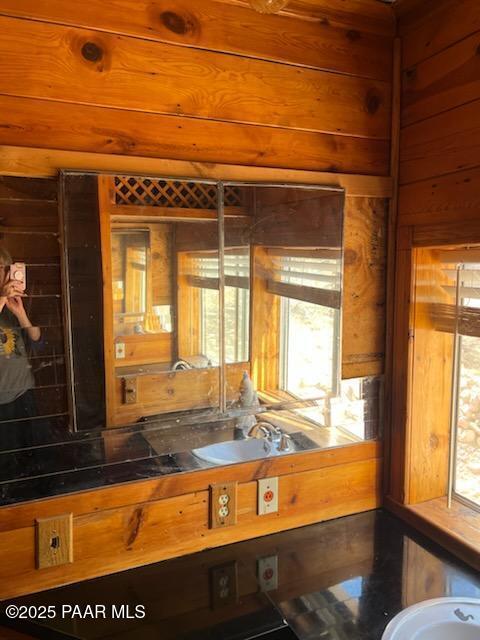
(16, 375)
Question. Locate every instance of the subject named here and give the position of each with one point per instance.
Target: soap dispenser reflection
(248, 400)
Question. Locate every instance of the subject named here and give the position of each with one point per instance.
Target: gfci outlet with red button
(267, 496)
(267, 573)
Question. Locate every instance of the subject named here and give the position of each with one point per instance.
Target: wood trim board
(37, 162)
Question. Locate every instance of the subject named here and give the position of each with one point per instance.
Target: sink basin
(237, 451)
(438, 619)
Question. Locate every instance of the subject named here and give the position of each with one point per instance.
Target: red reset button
(268, 496)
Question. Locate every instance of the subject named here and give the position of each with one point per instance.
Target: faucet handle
(258, 431)
(285, 443)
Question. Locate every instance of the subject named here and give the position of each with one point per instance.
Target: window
(467, 388)
(237, 306)
(310, 331)
(308, 348)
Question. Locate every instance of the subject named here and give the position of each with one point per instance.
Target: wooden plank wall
(306, 90)
(440, 140)
(213, 89)
(439, 204)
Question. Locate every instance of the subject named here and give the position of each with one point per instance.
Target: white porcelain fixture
(438, 619)
(238, 451)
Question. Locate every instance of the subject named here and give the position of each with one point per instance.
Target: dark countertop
(114, 456)
(338, 580)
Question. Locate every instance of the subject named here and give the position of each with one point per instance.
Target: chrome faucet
(271, 433)
(264, 430)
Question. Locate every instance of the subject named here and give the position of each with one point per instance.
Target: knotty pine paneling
(364, 293)
(142, 533)
(119, 131)
(454, 197)
(220, 26)
(308, 91)
(447, 80)
(440, 139)
(443, 144)
(431, 27)
(130, 73)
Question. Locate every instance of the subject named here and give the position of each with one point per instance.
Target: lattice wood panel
(171, 193)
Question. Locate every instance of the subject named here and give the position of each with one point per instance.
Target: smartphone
(18, 272)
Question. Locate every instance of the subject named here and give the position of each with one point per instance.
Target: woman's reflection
(17, 400)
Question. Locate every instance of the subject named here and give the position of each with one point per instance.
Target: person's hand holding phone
(15, 305)
(11, 288)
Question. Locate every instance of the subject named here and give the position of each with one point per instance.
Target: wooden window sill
(457, 529)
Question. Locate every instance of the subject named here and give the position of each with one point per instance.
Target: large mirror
(159, 325)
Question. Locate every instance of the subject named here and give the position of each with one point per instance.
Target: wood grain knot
(373, 102)
(353, 35)
(173, 22)
(92, 52)
(350, 256)
(134, 525)
(411, 74)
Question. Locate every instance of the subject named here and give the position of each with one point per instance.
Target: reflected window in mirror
(308, 343)
(129, 280)
(310, 329)
(141, 280)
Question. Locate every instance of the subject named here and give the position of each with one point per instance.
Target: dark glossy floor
(339, 580)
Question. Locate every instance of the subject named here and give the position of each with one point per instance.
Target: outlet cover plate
(224, 585)
(223, 505)
(119, 350)
(54, 541)
(267, 573)
(267, 496)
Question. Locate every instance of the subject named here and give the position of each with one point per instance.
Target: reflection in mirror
(131, 272)
(195, 315)
(293, 241)
(161, 305)
(33, 396)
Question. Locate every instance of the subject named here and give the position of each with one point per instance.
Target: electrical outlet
(54, 538)
(119, 350)
(223, 504)
(267, 573)
(224, 585)
(267, 496)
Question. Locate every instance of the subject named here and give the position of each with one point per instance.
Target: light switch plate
(130, 390)
(223, 504)
(54, 541)
(267, 496)
(267, 573)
